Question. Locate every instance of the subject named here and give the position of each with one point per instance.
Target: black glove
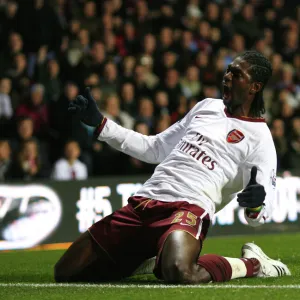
(86, 107)
(254, 194)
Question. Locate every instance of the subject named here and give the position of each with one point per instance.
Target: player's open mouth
(226, 92)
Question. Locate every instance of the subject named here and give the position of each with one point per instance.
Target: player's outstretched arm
(151, 149)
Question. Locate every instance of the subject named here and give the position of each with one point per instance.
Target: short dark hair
(260, 71)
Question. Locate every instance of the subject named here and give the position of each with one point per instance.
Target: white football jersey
(204, 159)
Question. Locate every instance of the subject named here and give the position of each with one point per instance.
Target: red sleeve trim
(99, 128)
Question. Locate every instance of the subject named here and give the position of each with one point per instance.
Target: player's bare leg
(179, 257)
(180, 262)
(268, 266)
(85, 261)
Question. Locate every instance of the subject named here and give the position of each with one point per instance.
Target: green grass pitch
(29, 275)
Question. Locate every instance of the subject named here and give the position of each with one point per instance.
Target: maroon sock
(217, 266)
(252, 266)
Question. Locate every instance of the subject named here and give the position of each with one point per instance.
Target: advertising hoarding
(57, 212)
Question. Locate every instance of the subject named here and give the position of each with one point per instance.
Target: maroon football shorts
(138, 231)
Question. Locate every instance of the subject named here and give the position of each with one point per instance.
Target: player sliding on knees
(217, 150)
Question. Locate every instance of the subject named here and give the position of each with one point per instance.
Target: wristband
(253, 212)
(254, 209)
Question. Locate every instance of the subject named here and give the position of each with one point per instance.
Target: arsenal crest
(235, 136)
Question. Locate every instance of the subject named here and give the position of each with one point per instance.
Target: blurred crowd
(147, 63)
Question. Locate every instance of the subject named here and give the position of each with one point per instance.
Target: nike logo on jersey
(235, 136)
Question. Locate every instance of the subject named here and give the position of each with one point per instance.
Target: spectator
(107, 22)
(9, 21)
(146, 113)
(129, 42)
(15, 46)
(95, 62)
(207, 71)
(112, 111)
(73, 30)
(40, 64)
(109, 83)
(261, 46)
(141, 88)
(149, 45)
(172, 87)
(193, 15)
(36, 109)
(129, 102)
(18, 74)
(247, 25)
(166, 40)
(237, 45)
(190, 84)
(127, 68)
(142, 19)
(90, 20)
(84, 40)
(136, 50)
(5, 160)
(169, 61)
(226, 26)
(291, 45)
(166, 16)
(42, 28)
(28, 164)
(48, 73)
(73, 68)
(6, 111)
(151, 80)
(212, 13)
(186, 50)
(70, 167)
(92, 80)
(161, 101)
(294, 151)
(24, 133)
(276, 60)
(203, 36)
(112, 50)
(281, 144)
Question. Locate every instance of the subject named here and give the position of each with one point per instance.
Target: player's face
(237, 83)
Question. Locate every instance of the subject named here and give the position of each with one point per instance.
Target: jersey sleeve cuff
(99, 128)
(257, 219)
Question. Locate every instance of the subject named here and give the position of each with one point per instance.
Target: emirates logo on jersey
(235, 136)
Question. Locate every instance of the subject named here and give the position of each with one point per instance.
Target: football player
(221, 147)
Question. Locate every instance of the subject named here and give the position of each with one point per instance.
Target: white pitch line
(146, 286)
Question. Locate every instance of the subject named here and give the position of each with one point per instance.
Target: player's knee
(181, 273)
(177, 272)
